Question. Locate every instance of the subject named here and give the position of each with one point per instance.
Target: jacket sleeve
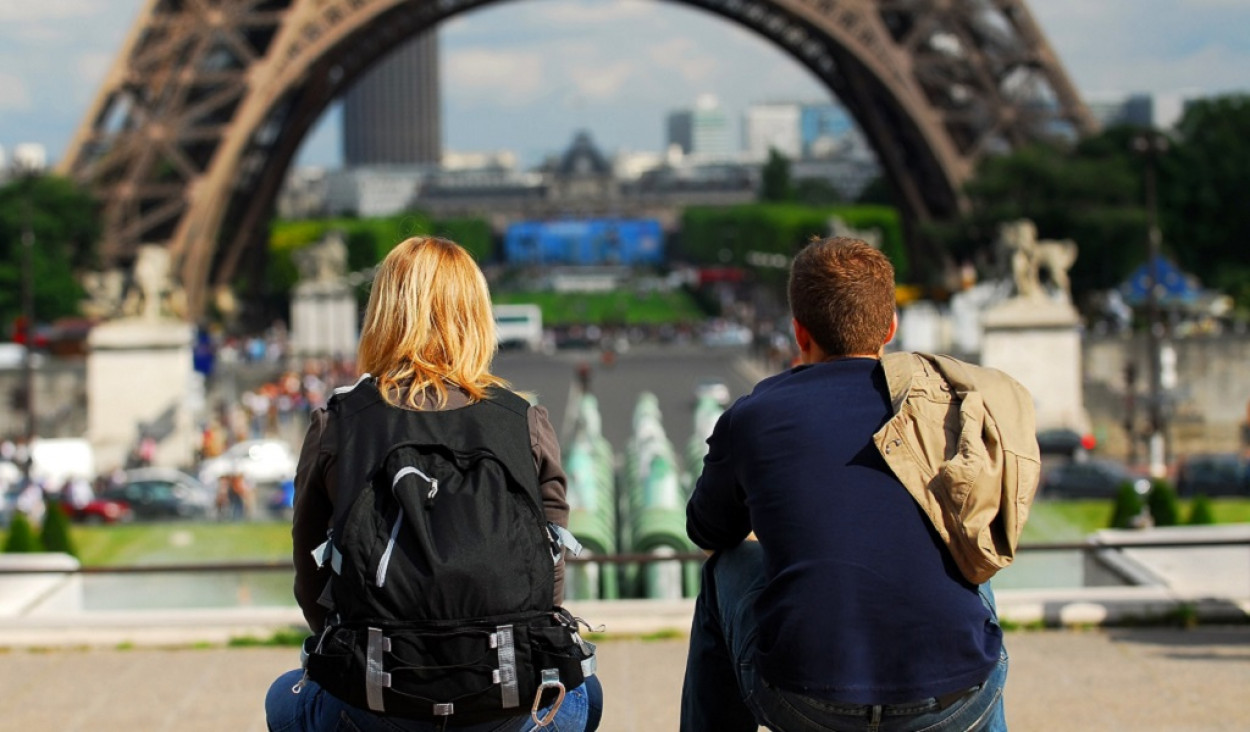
(716, 515)
(552, 481)
(313, 510)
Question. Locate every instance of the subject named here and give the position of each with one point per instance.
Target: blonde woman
(425, 353)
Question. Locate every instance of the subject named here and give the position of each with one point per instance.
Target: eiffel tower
(191, 134)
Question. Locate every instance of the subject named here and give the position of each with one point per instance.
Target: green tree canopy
(1091, 194)
(1202, 180)
(775, 183)
(64, 221)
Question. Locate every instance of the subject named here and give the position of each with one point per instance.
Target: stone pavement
(1112, 679)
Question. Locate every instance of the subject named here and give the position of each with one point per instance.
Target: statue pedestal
(1037, 341)
(140, 380)
(324, 320)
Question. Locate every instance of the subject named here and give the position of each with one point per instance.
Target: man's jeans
(314, 709)
(723, 692)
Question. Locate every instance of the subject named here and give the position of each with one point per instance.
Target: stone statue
(324, 262)
(1028, 258)
(105, 291)
(153, 294)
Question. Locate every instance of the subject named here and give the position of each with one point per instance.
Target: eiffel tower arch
(190, 136)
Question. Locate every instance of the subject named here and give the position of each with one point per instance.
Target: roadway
(669, 372)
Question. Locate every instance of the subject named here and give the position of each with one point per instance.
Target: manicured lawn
(621, 306)
(270, 541)
(182, 543)
(1071, 520)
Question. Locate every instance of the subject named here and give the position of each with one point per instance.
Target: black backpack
(440, 597)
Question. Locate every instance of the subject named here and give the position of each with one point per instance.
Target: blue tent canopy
(1172, 285)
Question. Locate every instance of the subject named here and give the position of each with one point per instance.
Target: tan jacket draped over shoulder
(963, 441)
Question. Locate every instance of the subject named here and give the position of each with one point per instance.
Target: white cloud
(93, 66)
(1215, 67)
(602, 82)
(14, 95)
(510, 78)
(589, 12)
(683, 56)
(26, 11)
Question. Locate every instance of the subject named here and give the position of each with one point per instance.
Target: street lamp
(28, 164)
(1150, 145)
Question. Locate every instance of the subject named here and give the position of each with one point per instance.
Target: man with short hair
(883, 493)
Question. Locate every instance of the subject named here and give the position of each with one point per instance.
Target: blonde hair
(428, 324)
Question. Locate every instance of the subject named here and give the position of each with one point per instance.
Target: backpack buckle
(551, 680)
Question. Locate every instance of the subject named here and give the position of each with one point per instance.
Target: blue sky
(526, 75)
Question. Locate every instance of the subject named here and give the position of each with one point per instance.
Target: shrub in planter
(21, 536)
(1128, 507)
(1164, 508)
(1200, 512)
(55, 532)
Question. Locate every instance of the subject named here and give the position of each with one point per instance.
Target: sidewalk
(1120, 679)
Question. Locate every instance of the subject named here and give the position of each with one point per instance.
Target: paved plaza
(1114, 679)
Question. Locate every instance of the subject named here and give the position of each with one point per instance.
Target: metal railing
(613, 559)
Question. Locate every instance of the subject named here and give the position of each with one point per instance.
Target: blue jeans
(724, 693)
(314, 709)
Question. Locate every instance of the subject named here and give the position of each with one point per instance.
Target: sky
(526, 76)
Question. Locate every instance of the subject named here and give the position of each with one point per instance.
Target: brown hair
(428, 324)
(842, 292)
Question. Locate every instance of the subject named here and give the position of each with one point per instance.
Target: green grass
(182, 542)
(621, 306)
(270, 541)
(1073, 520)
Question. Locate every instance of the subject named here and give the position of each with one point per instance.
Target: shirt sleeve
(716, 515)
(552, 481)
(312, 512)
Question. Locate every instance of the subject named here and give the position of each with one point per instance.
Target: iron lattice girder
(204, 110)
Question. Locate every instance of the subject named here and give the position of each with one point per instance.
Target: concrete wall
(1208, 406)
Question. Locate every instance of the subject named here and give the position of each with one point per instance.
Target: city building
(702, 132)
(1156, 110)
(823, 127)
(392, 114)
(772, 127)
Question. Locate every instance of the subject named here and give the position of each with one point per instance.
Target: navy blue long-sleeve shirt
(862, 603)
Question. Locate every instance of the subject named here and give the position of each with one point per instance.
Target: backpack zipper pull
(429, 497)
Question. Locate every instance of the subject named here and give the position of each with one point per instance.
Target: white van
(56, 460)
(519, 325)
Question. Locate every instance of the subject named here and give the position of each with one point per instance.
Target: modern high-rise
(822, 127)
(392, 114)
(702, 132)
(772, 127)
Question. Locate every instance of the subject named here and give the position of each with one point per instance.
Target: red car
(100, 511)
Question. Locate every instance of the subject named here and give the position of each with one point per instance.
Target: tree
(1202, 181)
(1090, 193)
(1200, 512)
(775, 183)
(64, 220)
(1164, 508)
(1128, 507)
(54, 534)
(21, 538)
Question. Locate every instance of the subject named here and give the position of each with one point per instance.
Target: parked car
(155, 493)
(1213, 474)
(1090, 478)
(1064, 441)
(100, 511)
(260, 462)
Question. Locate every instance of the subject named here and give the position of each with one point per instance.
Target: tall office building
(392, 114)
(701, 132)
(822, 127)
(772, 127)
